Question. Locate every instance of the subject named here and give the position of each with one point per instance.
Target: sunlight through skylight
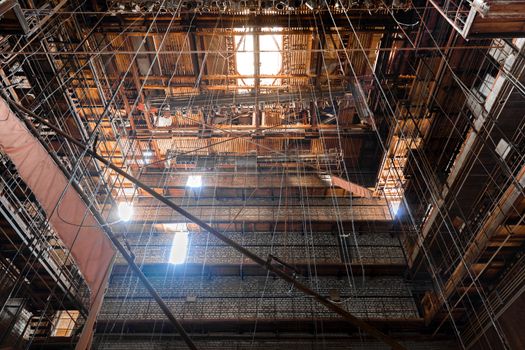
(244, 58)
(270, 56)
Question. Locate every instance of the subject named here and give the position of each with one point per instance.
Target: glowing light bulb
(125, 211)
(194, 181)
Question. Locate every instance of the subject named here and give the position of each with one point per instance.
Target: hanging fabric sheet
(356, 190)
(68, 214)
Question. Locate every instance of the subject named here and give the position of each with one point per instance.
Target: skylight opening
(245, 60)
(270, 57)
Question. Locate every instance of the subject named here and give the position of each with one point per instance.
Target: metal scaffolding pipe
(254, 257)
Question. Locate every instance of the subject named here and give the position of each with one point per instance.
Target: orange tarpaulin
(68, 214)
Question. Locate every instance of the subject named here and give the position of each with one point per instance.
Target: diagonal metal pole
(127, 256)
(371, 330)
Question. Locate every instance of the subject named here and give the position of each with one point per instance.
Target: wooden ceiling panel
(172, 63)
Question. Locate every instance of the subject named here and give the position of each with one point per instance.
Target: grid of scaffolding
(153, 107)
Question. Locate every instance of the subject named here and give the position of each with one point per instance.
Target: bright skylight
(270, 56)
(244, 58)
(271, 61)
(179, 245)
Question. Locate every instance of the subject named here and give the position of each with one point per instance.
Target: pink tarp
(356, 190)
(76, 226)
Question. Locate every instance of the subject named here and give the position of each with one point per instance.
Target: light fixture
(125, 211)
(311, 4)
(179, 248)
(394, 207)
(194, 181)
(281, 5)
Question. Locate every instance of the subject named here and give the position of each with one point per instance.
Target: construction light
(125, 211)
